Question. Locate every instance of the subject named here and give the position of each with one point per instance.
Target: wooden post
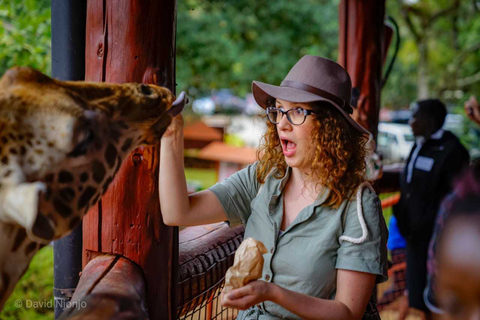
(361, 47)
(134, 41)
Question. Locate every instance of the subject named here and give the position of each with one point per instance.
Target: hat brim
(262, 92)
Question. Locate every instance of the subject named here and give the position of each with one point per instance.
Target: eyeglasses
(295, 116)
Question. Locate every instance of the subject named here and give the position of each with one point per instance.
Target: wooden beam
(361, 38)
(111, 287)
(134, 41)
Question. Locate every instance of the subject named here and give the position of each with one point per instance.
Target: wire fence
(210, 308)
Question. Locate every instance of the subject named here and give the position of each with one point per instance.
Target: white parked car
(394, 142)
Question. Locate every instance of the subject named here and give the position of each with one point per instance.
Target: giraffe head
(62, 142)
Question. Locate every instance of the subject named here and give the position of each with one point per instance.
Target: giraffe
(61, 144)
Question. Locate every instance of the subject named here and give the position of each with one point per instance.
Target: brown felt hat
(312, 79)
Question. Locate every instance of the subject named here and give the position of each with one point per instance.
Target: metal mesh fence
(210, 308)
(203, 274)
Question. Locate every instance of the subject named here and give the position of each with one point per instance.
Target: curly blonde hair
(337, 160)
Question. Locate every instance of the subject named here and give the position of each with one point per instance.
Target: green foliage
(25, 34)
(36, 285)
(205, 178)
(453, 43)
(229, 43)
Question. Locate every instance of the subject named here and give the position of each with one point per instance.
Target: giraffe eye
(145, 89)
(85, 138)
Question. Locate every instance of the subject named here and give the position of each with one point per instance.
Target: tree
(229, 43)
(25, 34)
(438, 57)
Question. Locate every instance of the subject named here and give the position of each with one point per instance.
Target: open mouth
(288, 147)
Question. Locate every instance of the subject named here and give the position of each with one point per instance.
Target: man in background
(435, 160)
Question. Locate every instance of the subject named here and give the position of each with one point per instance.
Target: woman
(326, 249)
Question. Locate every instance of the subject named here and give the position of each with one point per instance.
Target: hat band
(319, 92)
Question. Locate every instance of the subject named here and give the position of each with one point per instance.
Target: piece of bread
(247, 265)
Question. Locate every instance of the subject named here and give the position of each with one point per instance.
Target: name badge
(424, 163)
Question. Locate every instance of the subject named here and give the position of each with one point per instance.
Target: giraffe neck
(16, 252)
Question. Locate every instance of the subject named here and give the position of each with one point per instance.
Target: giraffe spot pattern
(6, 284)
(49, 178)
(62, 208)
(98, 171)
(115, 135)
(97, 197)
(65, 177)
(30, 248)
(123, 125)
(48, 193)
(106, 184)
(85, 197)
(110, 155)
(19, 238)
(119, 163)
(84, 177)
(42, 228)
(127, 144)
(67, 194)
(74, 222)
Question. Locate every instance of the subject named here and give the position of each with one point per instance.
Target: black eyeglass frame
(306, 112)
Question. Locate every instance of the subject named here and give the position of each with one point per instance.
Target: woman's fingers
(239, 300)
(238, 293)
(177, 124)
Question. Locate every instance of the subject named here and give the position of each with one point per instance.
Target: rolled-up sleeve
(236, 192)
(371, 255)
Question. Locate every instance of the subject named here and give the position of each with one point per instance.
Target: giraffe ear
(19, 206)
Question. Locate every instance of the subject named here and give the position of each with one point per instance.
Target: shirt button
(267, 277)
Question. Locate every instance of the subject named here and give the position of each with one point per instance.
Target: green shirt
(304, 257)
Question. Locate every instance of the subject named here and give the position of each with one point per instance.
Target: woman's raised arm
(179, 208)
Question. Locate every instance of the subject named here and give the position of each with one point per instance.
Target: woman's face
(459, 271)
(295, 139)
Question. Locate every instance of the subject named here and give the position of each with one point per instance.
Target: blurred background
(222, 45)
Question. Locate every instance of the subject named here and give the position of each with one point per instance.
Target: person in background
(468, 186)
(472, 109)
(396, 244)
(436, 158)
(463, 187)
(458, 292)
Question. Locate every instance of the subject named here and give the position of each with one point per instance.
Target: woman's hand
(253, 293)
(175, 126)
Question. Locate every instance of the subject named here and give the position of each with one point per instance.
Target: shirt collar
(322, 196)
(436, 136)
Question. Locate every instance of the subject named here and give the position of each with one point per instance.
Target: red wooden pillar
(134, 41)
(361, 51)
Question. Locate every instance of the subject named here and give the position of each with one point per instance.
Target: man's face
(420, 123)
